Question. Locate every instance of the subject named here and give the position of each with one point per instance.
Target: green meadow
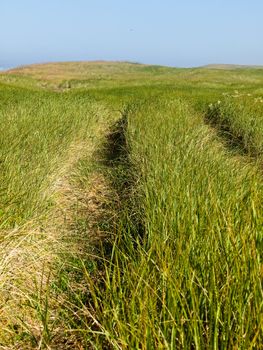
(131, 211)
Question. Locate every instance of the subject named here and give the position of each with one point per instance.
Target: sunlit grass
(36, 135)
(195, 278)
(240, 119)
(145, 235)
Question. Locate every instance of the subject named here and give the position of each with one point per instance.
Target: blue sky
(170, 32)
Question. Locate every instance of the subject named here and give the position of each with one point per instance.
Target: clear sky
(169, 32)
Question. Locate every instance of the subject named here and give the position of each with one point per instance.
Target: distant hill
(61, 76)
(230, 66)
(89, 71)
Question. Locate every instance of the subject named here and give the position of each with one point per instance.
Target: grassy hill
(131, 207)
(231, 66)
(101, 74)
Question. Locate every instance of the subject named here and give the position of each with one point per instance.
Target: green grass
(194, 280)
(240, 119)
(43, 135)
(37, 130)
(141, 234)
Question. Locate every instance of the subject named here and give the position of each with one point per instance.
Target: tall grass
(193, 279)
(36, 133)
(178, 214)
(43, 135)
(240, 120)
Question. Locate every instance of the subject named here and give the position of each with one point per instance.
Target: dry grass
(60, 71)
(29, 253)
(32, 253)
(194, 203)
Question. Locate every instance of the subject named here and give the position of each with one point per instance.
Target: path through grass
(145, 233)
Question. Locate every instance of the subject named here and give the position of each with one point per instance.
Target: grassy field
(131, 207)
